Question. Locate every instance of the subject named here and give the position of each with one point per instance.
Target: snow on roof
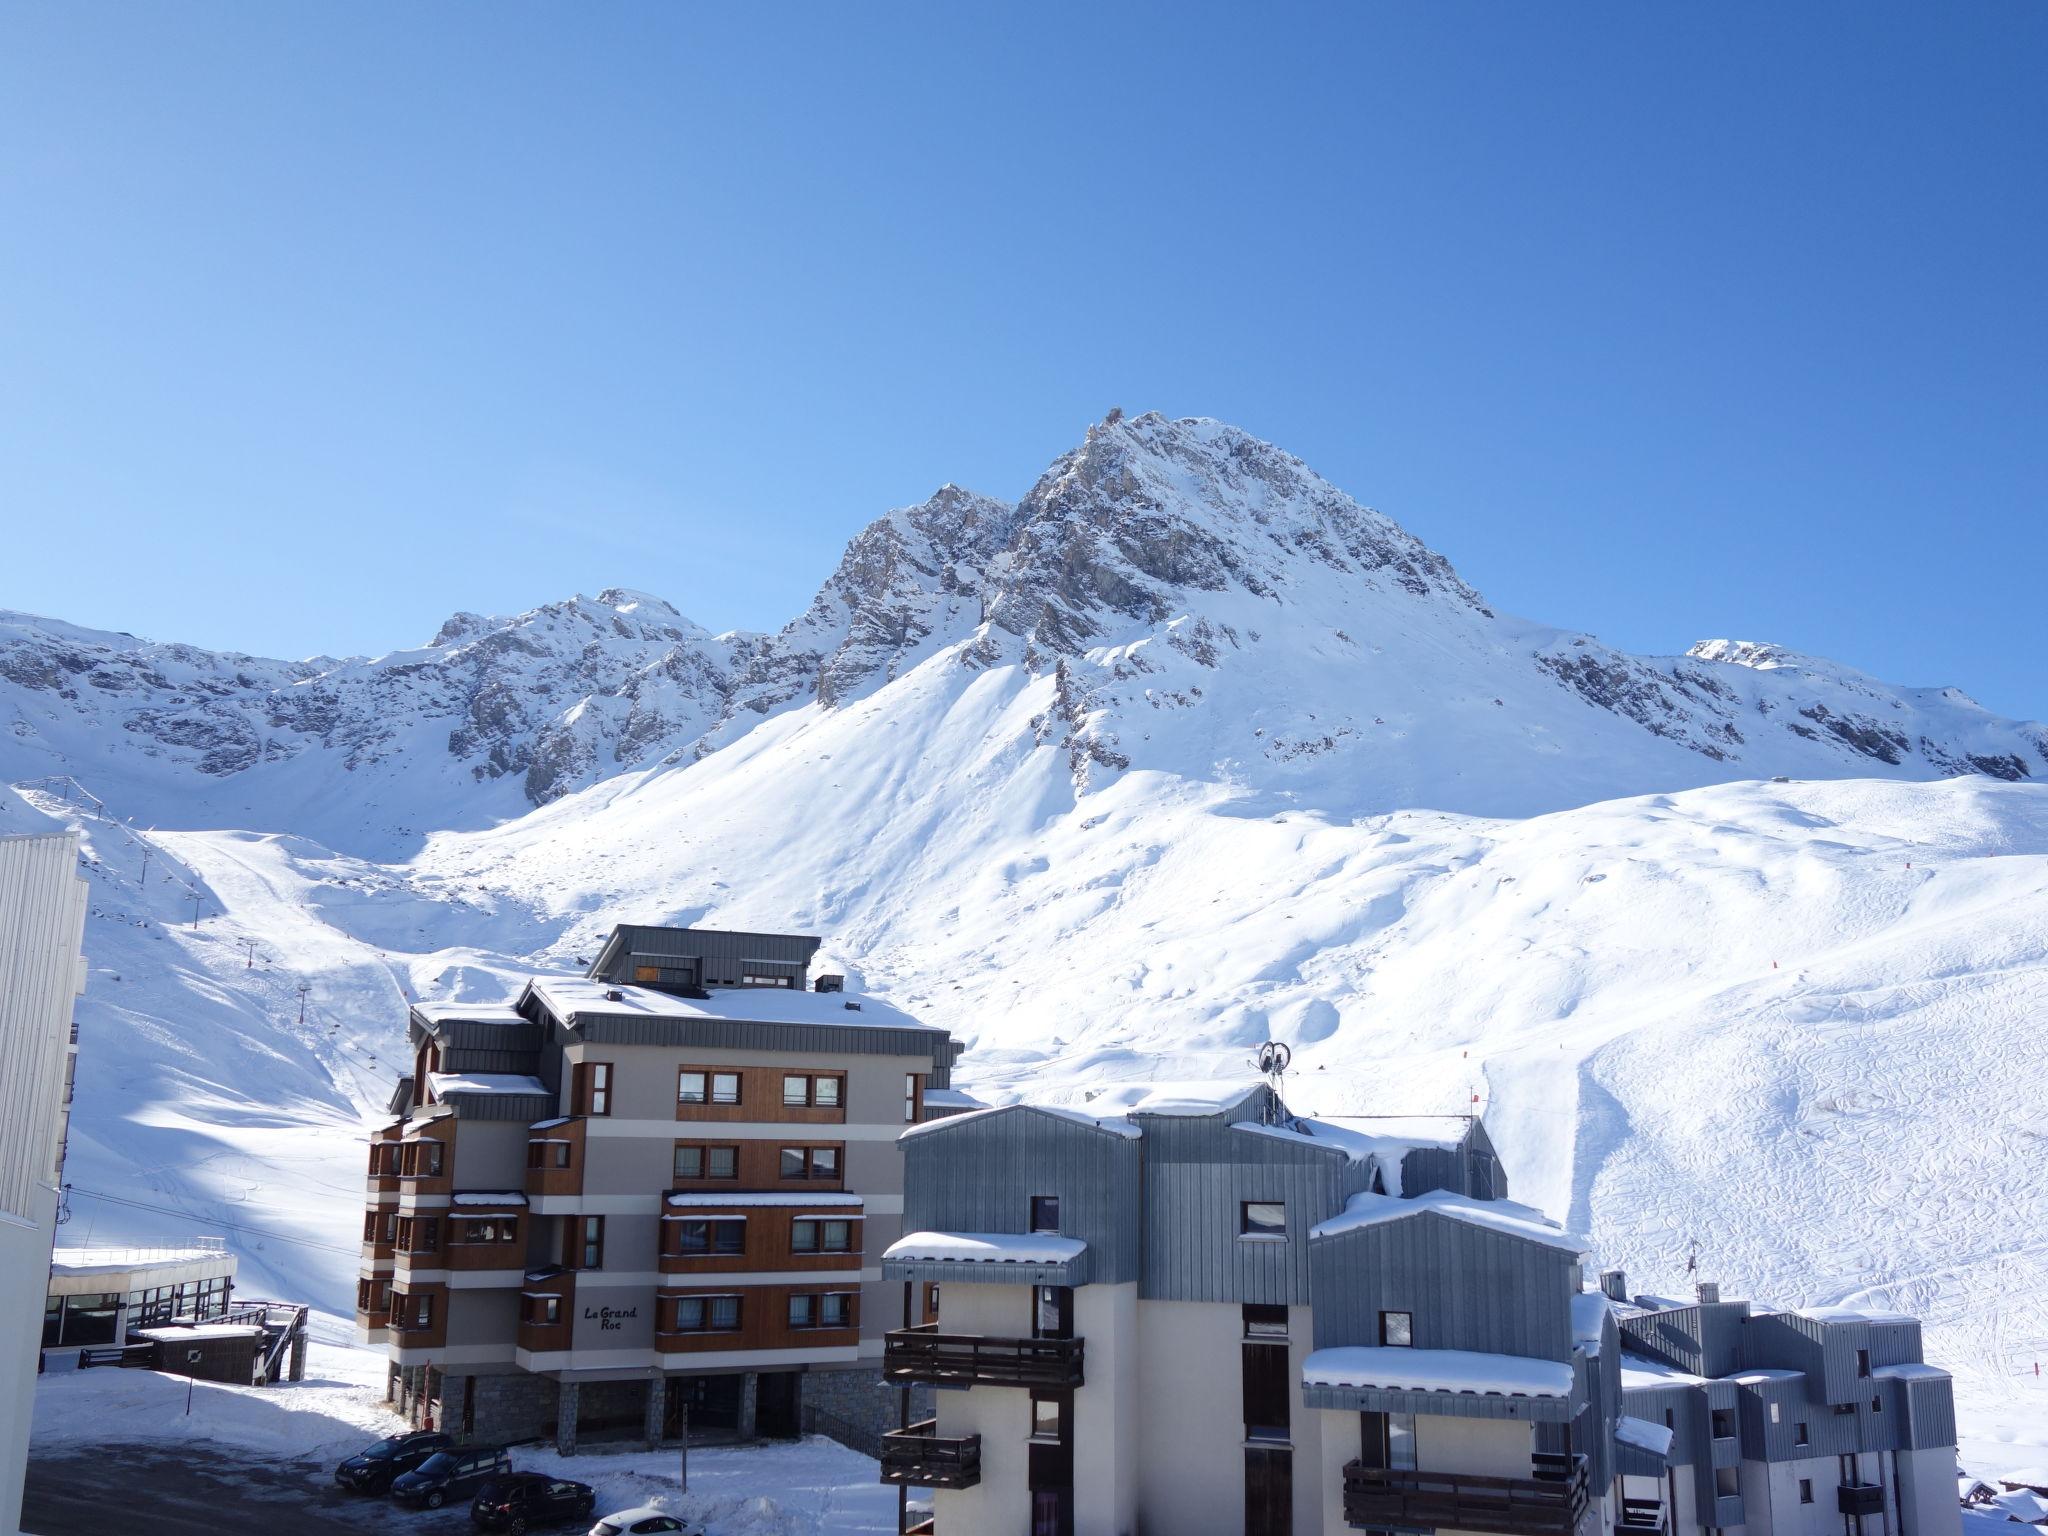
(179, 1332)
(1911, 1370)
(549, 1125)
(987, 1248)
(487, 1197)
(1589, 1318)
(1178, 1099)
(1763, 1374)
(1417, 1130)
(92, 1261)
(951, 1098)
(1437, 1370)
(1643, 1435)
(1367, 1210)
(445, 1083)
(1116, 1125)
(1642, 1371)
(469, 1013)
(696, 1201)
(1850, 1315)
(570, 997)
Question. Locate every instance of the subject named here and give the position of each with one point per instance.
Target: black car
(450, 1474)
(371, 1470)
(527, 1499)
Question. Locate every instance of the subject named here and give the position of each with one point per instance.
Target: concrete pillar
(298, 1370)
(749, 1396)
(657, 1401)
(565, 1418)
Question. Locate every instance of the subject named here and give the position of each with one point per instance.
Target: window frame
(705, 1151)
(715, 1237)
(706, 1303)
(588, 1233)
(812, 1097)
(1034, 1217)
(1248, 1231)
(1388, 1327)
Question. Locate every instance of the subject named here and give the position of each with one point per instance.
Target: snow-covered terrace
(573, 997)
(1434, 1380)
(1366, 1210)
(1039, 1258)
(445, 1084)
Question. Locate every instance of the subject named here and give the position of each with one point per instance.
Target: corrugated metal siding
(464, 1035)
(523, 1107)
(723, 954)
(1930, 1405)
(1198, 1171)
(1704, 1340)
(518, 1063)
(1467, 1287)
(743, 1034)
(42, 923)
(1080, 1271)
(1455, 1405)
(979, 1174)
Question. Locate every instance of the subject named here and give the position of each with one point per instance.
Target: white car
(644, 1521)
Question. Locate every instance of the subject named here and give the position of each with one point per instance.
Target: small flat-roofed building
(100, 1296)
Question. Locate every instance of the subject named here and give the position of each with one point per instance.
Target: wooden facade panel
(546, 1173)
(769, 1246)
(763, 1321)
(757, 1164)
(404, 1314)
(761, 1097)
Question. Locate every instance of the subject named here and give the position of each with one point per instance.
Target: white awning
(1392, 1369)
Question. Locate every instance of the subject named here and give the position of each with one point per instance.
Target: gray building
(647, 1201)
(1189, 1309)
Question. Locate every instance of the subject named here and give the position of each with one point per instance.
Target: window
(1727, 1482)
(1397, 1328)
(1401, 1441)
(804, 1089)
(1799, 1433)
(419, 1234)
(647, 973)
(1052, 1312)
(547, 1154)
(693, 1162)
(422, 1311)
(811, 1235)
(707, 1314)
(707, 1087)
(1877, 1405)
(1045, 1213)
(800, 1311)
(589, 1240)
(909, 1097)
(1266, 1390)
(810, 1162)
(488, 1229)
(1806, 1490)
(835, 1310)
(543, 1311)
(420, 1160)
(716, 1234)
(755, 979)
(1723, 1423)
(1862, 1362)
(1049, 1412)
(1774, 1413)
(593, 1084)
(1262, 1322)
(1262, 1218)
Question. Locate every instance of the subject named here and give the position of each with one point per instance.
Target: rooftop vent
(614, 995)
(1710, 1292)
(853, 1007)
(1614, 1284)
(830, 983)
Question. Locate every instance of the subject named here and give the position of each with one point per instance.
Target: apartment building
(1189, 1309)
(647, 1200)
(42, 973)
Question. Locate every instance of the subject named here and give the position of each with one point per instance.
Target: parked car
(527, 1499)
(372, 1469)
(450, 1474)
(644, 1521)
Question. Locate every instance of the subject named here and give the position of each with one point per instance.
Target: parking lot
(207, 1491)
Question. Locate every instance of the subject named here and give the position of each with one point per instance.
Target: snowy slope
(1182, 751)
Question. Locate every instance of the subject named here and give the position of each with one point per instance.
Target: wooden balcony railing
(972, 1359)
(1547, 1504)
(1859, 1499)
(921, 1457)
(1640, 1517)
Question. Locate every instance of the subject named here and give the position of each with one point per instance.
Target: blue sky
(318, 323)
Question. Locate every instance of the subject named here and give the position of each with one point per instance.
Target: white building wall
(42, 924)
(1000, 1505)
(1926, 1493)
(1191, 1432)
(1106, 1413)
(1337, 1430)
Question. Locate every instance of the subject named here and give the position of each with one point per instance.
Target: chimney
(1710, 1292)
(614, 995)
(1614, 1284)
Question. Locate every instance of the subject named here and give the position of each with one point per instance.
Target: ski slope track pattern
(1742, 953)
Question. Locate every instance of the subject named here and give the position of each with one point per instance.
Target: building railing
(1860, 1499)
(925, 1354)
(1639, 1515)
(921, 1457)
(1545, 1504)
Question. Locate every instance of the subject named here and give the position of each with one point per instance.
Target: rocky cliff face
(1199, 600)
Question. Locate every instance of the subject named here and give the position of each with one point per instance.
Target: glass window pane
(689, 1162)
(825, 1163)
(723, 1162)
(793, 1162)
(803, 1236)
(725, 1313)
(796, 1090)
(725, 1087)
(690, 1088)
(827, 1092)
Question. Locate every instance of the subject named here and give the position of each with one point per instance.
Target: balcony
(1640, 1517)
(920, 1457)
(1860, 1499)
(1548, 1504)
(970, 1359)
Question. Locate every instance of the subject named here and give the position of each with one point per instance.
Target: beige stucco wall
(1927, 1493)
(999, 1505)
(1191, 1432)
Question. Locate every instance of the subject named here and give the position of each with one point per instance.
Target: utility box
(206, 1351)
